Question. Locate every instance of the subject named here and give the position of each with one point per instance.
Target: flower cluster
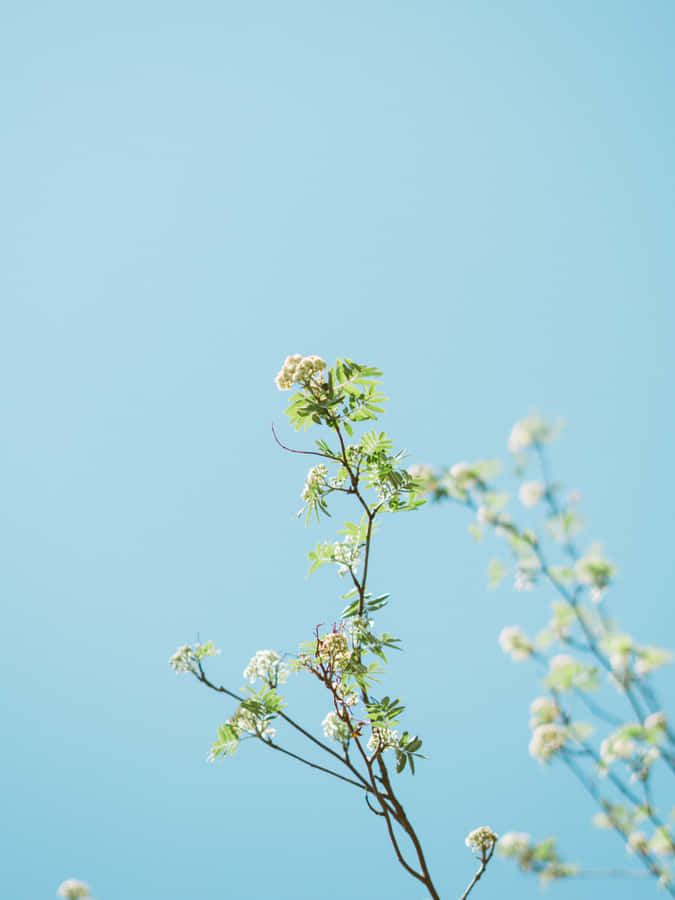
(348, 554)
(335, 729)
(423, 473)
(531, 492)
(514, 843)
(72, 889)
(382, 739)
(247, 722)
(300, 370)
(595, 571)
(316, 478)
(334, 649)
(547, 740)
(481, 840)
(616, 746)
(531, 430)
(187, 657)
(266, 665)
(514, 641)
(543, 710)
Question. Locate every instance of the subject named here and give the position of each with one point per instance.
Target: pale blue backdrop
(477, 197)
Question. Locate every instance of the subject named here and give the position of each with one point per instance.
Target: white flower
(543, 710)
(186, 658)
(481, 840)
(650, 658)
(595, 571)
(514, 843)
(661, 842)
(334, 649)
(298, 370)
(524, 580)
(316, 478)
(335, 729)
(531, 492)
(616, 747)
(514, 641)
(656, 720)
(532, 429)
(244, 720)
(519, 439)
(546, 741)
(71, 889)
(382, 739)
(183, 660)
(484, 515)
(266, 665)
(561, 660)
(637, 843)
(421, 472)
(348, 554)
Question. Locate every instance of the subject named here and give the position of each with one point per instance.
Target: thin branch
(222, 690)
(303, 452)
(312, 765)
(487, 856)
(648, 860)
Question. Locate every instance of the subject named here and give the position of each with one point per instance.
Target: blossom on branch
(300, 370)
(481, 840)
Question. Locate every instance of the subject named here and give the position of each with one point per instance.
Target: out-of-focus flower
(515, 642)
(546, 741)
(72, 889)
(531, 492)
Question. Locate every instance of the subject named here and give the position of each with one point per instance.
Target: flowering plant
(589, 666)
(363, 744)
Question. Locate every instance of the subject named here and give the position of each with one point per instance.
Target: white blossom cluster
(335, 729)
(650, 658)
(543, 710)
(185, 659)
(316, 478)
(514, 641)
(245, 721)
(350, 699)
(595, 571)
(656, 720)
(526, 572)
(616, 746)
(334, 649)
(514, 843)
(382, 739)
(637, 842)
(298, 369)
(547, 740)
(531, 430)
(72, 889)
(266, 665)
(423, 473)
(348, 554)
(481, 840)
(531, 492)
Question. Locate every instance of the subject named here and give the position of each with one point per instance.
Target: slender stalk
(486, 857)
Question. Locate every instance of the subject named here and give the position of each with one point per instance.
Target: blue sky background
(475, 196)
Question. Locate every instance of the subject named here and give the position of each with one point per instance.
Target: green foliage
(407, 751)
(349, 394)
(384, 713)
